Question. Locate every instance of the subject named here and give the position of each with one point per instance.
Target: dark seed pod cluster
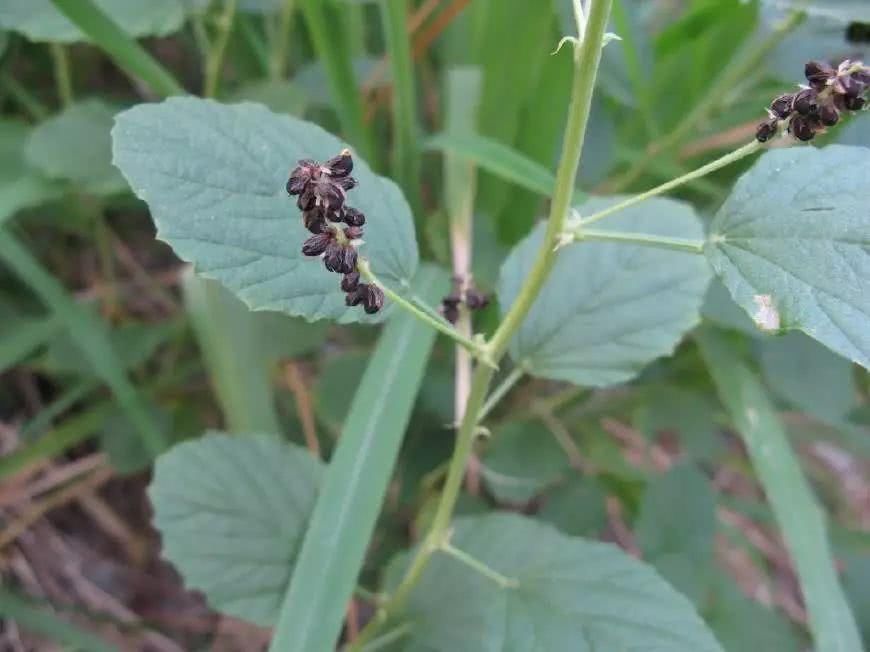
(829, 92)
(472, 298)
(321, 191)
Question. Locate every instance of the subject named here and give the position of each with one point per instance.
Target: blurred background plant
(111, 350)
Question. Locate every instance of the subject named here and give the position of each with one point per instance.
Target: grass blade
(799, 516)
(406, 159)
(88, 333)
(334, 53)
(24, 337)
(356, 481)
(31, 617)
(498, 159)
(125, 51)
(230, 343)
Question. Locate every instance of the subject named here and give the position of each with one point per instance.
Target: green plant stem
(499, 392)
(253, 40)
(585, 72)
(646, 239)
(25, 98)
(215, 58)
(395, 634)
(62, 76)
(478, 566)
(406, 159)
(125, 51)
(719, 163)
(278, 50)
(749, 60)
(442, 326)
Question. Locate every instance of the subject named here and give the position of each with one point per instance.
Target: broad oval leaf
(76, 146)
(232, 511)
(570, 594)
(20, 185)
(213, 176)
(38, 20)
(608, 309)
(792, 245)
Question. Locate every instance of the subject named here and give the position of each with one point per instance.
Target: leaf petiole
(463, 557)
(647, 239)
(718, 164)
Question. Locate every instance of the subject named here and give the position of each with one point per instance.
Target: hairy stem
(719, 163)
(585, 73)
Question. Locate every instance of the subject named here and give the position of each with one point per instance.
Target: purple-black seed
(782, 105)
(341, 165)
(818, 73)
(352, 216)
(317, 244)
(806, 102)
(374, 299)
(766, 130)
(802, 127)
(350, 282)
(829, 115)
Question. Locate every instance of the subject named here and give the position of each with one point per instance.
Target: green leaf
(828, 392)
(20, 336)
(213, 176)
(856, 582)
(88, 332)
(20, 185)
(572, 594)
(76, 146)
(240, 347)
(792, 245)
(687, 412)
(498, 159)
(845, 11)
(278, 95)
(521, 460)
(231, 511)
(743, 625)
(576, 507)
(675, 528)
(38, 20)
(356, 480)
(720, 309)
(797, 512)
(608, 309)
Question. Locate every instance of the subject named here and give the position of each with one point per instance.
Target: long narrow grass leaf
(498, 159)
(88, 333)
(125, 51)
(797, 512)
(356, 481)
(31, 617)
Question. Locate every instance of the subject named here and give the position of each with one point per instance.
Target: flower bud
(307, 199)
(317, 244)
(476, 300)
(357, 296)
(352, 217)
(350, 282)
(450, 312)
(340, 166)
(806, 102)
(301, 175)
(353, 232)
(766, 130)
(374, 299)
(829, 115)
(340, 259)
(818, 73)
(782, 106)
(346, 183)
(802, 127)
(314, 220)
(854, 103)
